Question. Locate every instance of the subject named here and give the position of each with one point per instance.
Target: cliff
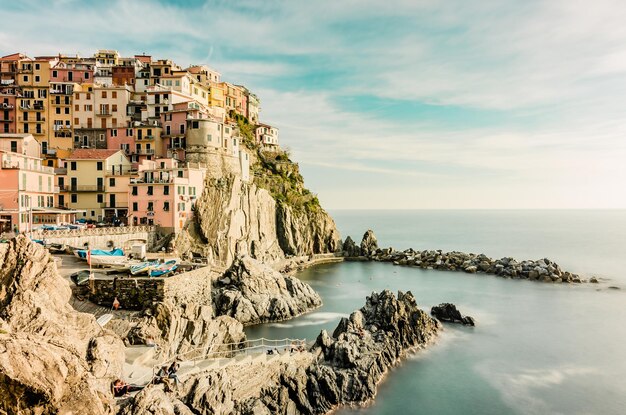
(272, 217)
(53, 359)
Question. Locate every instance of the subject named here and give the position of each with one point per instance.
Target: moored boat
(163, 269)
(143, 267)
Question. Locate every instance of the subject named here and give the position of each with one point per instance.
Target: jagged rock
(53, 359)
(257, 293)
(369, 244)
(236, 218)
(449, 313)
(350, 249)
(184, 320)
(154, 401)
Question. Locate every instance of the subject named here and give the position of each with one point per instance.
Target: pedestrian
(116, 304)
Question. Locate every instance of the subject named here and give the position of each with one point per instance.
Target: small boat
(163, 269)
(143, 267)
(80, 278)
(101, 257)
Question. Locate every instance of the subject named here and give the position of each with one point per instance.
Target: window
(135, 207)
(114, 95)
(150, 190)
(76, 121)
(180, 174)
(37, 66)
(57, 110)
(86, 75)
(150, 206)
(166, 190)
(55, 74)
(72, 165)
(76, 108)
(37, 78)
(182, 128)
(99, 165)
(67, 110)
(88, 96)
(195, 125)
(74, 198)
(100, 198)
(112, 181)
(181, 206)
(25, 78)
(14, 146)
(101, 137)
(129, 132)
(114, 107)
(209, 138)
(166, 206)
(104, 94)
(113, 133)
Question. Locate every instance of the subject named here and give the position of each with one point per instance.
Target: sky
(410, 104)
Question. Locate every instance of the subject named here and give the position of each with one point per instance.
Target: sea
(538, 348)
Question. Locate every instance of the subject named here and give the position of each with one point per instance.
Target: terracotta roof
(91, 153)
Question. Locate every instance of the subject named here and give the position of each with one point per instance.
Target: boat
(80, 278)
(100, 255)
(163, 269)
(143, 267)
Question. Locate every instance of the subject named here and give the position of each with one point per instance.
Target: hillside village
(118, 140)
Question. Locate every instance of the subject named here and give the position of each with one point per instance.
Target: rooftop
(91, 153)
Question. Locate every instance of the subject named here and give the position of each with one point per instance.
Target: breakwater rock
(448, 312)
(342, 368)
(53, 359)
(252, 292)
(543, 270)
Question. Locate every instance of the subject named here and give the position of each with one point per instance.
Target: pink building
(72, 72)
(7, 111)
(164, 193)
(174, 123)
(27, 187)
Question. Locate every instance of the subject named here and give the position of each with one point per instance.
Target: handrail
(216, 354)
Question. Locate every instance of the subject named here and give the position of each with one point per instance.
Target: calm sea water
(538, 348)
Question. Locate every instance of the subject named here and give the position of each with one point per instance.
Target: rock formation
(448, 312)
(350, 249)
(52, 358)
(252, 293)
(184, 321)
(540, 270)
(343, 369)
(369, 243)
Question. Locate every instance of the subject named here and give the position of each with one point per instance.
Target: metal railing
(230, 351)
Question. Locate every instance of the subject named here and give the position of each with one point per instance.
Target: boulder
(350, 249)
(448, 312)
(256, 293)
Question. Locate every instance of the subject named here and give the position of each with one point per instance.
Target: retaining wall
(99, 238)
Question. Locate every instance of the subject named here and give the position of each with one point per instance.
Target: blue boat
(163, 269)
(82, 253)
(143, 267)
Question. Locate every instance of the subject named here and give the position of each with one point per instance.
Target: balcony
(145, 152)
(18, 166)
(84, 188)
(58, 127)
(6, 106)
(117, 205)
(26, 119)
(5, 119)
(103, 114)
(26, 70)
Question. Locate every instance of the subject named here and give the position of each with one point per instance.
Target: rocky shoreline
(543, 270)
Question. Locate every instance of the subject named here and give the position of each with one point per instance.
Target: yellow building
(60, 115)
(87, 173)
(217, 94)
(32, 107)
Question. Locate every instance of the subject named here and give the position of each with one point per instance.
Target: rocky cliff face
(252, 293)
(273, 217)
(343, 369)
(52, 358)
(184, 322)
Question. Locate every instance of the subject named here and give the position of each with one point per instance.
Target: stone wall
(100, 238)
(132, 293)
(139, 293)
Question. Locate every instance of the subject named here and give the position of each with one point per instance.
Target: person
(172, 372)
(121, 388)
(116, 304)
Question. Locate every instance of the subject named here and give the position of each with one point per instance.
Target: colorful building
(27, 187)
(267, 136)
(86, 183)
(165, 192)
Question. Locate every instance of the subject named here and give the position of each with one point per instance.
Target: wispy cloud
(541, 82)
